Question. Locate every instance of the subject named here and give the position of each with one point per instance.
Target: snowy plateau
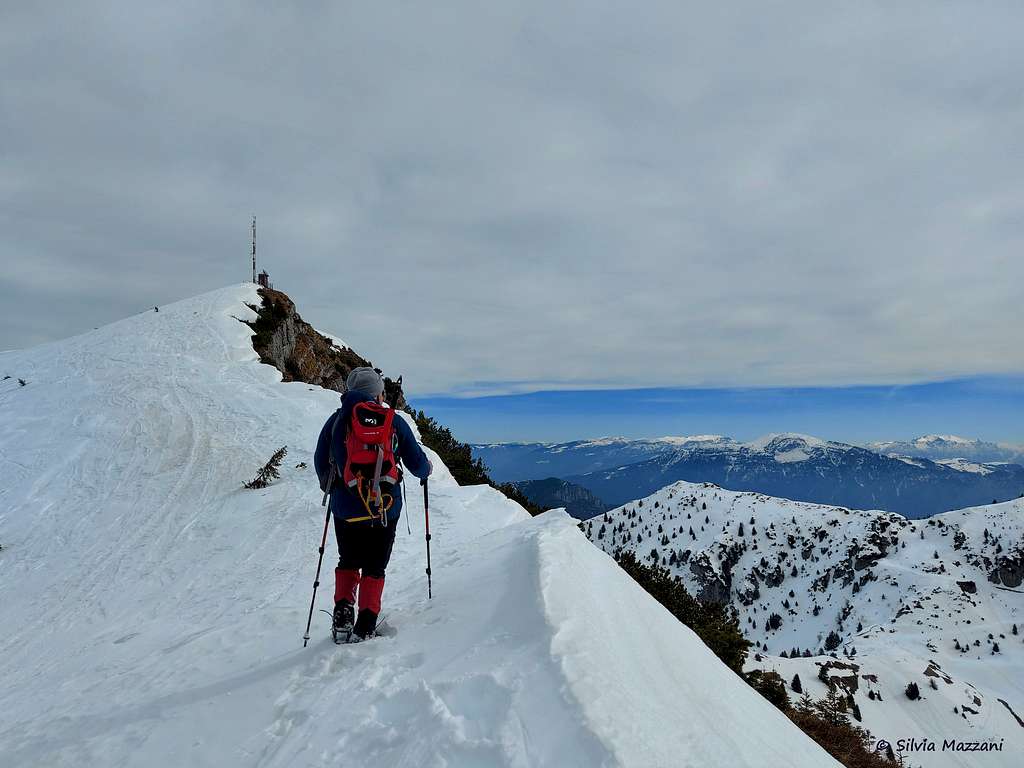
(153, 610)
(936, 602)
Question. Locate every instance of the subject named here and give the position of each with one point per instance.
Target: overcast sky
(541, 195)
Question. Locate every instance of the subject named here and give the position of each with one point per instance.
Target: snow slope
(153, 609)
(909, 601)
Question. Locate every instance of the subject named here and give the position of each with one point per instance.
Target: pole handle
(330, 483)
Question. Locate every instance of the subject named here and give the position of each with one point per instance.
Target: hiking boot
(366, 625)
(344, 615)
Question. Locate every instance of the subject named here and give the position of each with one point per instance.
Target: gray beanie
(366, 381)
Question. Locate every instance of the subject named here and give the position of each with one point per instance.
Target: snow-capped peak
(952, 439)
(786, 441)
(603, 441)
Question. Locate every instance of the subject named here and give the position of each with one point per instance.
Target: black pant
(365, 545)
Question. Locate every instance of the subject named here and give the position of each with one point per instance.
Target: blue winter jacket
(345, 503)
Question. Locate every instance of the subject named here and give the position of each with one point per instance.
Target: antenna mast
(254, 249)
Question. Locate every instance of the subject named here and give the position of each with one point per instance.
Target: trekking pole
(323, 543)
(426, 519)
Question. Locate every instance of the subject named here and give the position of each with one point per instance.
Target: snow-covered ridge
(667, 440)
(960, 465)
(763, 443)
(963, 465)
(153, 610)
(653, 443)
(911, 460)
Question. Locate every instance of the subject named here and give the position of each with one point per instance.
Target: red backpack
(371, 443)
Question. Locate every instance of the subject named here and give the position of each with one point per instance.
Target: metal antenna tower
(254, 249)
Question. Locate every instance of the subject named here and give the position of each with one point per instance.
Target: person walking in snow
(360, 453)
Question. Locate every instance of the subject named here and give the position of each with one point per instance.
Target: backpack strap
(334, 429)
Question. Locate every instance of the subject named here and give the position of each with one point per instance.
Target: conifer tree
(269, 471)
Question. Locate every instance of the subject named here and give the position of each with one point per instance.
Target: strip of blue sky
(990, 408)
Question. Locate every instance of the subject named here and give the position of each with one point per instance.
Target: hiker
(368, 442)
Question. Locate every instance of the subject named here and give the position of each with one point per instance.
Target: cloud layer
(498, 199)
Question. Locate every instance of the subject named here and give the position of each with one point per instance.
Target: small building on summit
(264, 280)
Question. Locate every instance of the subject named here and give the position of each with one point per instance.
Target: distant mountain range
(536, 461)
(938, 447)
(790, 466)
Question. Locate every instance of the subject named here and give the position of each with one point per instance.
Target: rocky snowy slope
(896, 601)
(152, 609)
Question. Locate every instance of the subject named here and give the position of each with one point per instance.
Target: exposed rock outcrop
(284, 340)
(716, 582)
(553, 492)
(968, 587)
(840, 674)
(1009, 570)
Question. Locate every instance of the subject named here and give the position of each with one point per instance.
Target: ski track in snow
(153, 610)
